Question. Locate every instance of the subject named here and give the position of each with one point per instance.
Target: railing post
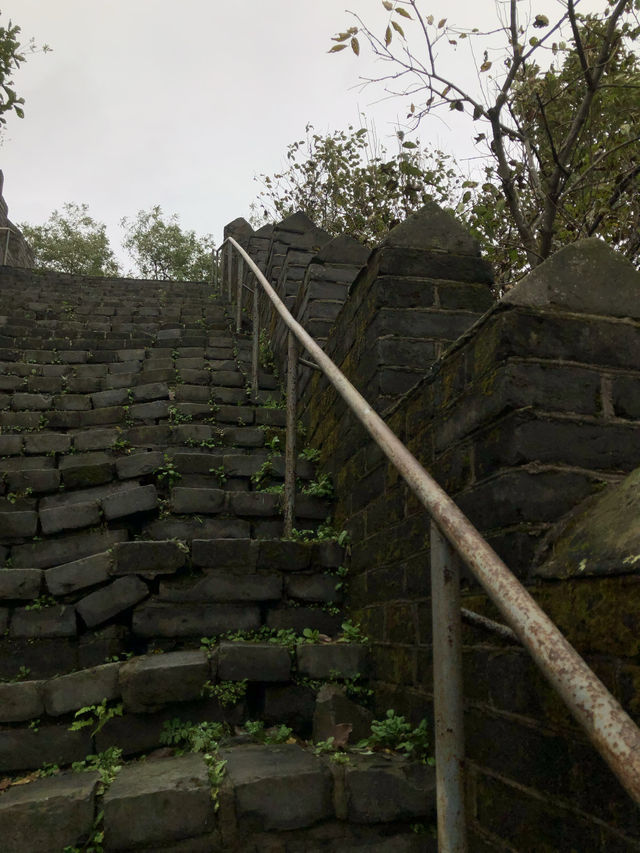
(290, 450)
(239, 295)
(255, 348)
(229, 270)
(447, 694)
(214, 268)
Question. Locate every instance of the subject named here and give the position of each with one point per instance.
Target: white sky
(182, 103)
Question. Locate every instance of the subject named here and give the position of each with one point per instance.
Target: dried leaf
(396, 26)
(336, 48)
(486, 65)
(340, 734)
(387, 5)
(441, 23)
(403, 13)
(355, 46)
(388, 36)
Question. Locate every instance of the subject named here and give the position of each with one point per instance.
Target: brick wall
(521, 413)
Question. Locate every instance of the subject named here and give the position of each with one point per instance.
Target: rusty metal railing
(453, 538)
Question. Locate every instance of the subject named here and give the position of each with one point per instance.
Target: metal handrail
(611, 730)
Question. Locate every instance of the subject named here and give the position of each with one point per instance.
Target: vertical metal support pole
(290, 450)
(239, 294)
(447, 694)
(255, 349)
(229, 271)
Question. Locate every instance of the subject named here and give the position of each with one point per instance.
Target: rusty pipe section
(610, 729)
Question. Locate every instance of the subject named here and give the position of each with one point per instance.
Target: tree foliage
(161, 249)
(12, 55)
(347, 183)
(557, 116)
(72, 242)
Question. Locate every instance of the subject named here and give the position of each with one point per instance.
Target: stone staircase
(146, 586)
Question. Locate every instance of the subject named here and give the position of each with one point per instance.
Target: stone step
(246, 797)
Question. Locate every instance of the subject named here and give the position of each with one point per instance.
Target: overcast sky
(181, 104)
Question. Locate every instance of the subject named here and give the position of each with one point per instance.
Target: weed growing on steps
(321, 487)
(275, 734)
(167, 472)
(42, 602)
(107, 764)
(394, 732)
(219, 474)
(199, 737)
(95, 715)
(226, 692)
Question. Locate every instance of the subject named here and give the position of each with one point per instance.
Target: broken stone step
(166, 803)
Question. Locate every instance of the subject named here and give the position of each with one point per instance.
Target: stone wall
(522, 413)
(15, 251)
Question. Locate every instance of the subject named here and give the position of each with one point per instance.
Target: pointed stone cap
(296, 223)
(586, 277)
(343, 250)
(239, 229)
(432, 229)
(265, 231)
(602, 539)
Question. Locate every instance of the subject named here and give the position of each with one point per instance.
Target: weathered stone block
(320, 661)
(96, 439)
(20, 584)
(47, 442)
(17, 524)
(253, 661)
(148, 559)
(26, 749)
(208, 501)
(129, 502)
(255, 504)
(332, 708)
(277, 787)
(138, 464)
(79, 689)
(316, 588)
(79, 574)
(87, 469)
(149, 682)
(20, 701)
(299, 618)
(65, 549)
(225, 553)
(48, 814)
(81, 514)
(158, 619)
(54, 621)
(378, 790)
(222, 585)
(284, 556)
(158, 802)
(111, 600)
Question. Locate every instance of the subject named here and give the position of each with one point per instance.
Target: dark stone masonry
(145, 577)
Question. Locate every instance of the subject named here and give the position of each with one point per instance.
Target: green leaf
(409, 145)
(388, 36)
(396, 26)
(403, 13)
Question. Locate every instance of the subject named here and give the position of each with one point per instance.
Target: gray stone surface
(17, 524)
(432, 228)
(284, 556)
(253, 661)
(225, 553)
(107, 602)
(148, 558)
(79, 574)
(65, 549)
(319, 661)
(81, 514)
(277, 787)
(158, 802)
(28, 748)
(379, 790)
(314, 588)
(55, 621)
(157, 619)
(20, 584)
(79, 689)
(138, 464)
(184, 500)
(151, 681)
(578, 278)
(129, 502)
(20, 701)
(225, 585)
(332, 708)
(48, 814)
